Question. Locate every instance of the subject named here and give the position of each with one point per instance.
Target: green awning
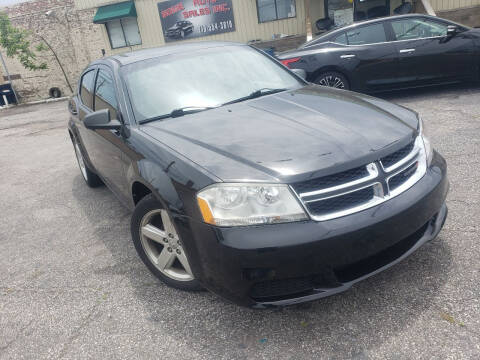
(115, 11)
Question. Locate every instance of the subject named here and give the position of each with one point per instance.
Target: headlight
(426, 141)
(249, 204)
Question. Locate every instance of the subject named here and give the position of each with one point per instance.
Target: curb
(35, 102)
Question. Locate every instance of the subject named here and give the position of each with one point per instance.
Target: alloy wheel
(332, 81)
(163, 247)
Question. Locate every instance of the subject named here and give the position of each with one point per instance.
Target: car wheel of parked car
(159, 245)
(55, 92)
(333, 79)
(89, 176)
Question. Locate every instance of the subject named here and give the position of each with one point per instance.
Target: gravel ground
(72, 286)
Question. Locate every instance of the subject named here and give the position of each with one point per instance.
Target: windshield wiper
(255, 94)
(194, 109)
(178, 112)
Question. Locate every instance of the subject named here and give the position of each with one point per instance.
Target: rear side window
(370, 34)
(341, 39)
(105, 97)
(86, 89)
(411, 29)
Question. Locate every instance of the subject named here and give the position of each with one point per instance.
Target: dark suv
(248, 181)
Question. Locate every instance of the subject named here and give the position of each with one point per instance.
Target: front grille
(397, 180)
(341, 202)
(390, 160)
(331, 180)
(357, 189)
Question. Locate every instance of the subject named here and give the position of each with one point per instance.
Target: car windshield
(202, 79)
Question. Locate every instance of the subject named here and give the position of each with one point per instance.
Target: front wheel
(89, 176)
(333, 79)
(159, 245)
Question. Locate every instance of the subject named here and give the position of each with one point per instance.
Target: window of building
(123, 32)
(105, 97)
(86, 89)
(269, 10)
(410, 29)
(370, 34)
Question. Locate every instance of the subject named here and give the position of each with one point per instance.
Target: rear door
(371, 58)
(427, 55)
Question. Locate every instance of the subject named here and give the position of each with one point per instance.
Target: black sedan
(395, 52)
(180, 29)
(248, 181)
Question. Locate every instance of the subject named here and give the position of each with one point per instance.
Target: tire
(159, 246)
(89, 176)
(333, 79)
(55, 93)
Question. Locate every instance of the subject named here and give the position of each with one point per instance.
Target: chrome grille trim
(376, 199)
(378, 180)
(372, 171)
(403, 161)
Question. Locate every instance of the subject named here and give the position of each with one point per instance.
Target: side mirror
(452, 30)
(300, 72)
(101, 120)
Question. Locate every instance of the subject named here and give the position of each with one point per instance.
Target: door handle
(348, 56)
(403, 51)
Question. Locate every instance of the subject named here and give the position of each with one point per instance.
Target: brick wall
(71, 33)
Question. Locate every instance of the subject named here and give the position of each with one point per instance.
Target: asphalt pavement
(72, 286)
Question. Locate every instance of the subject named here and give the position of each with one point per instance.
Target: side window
(341, 39)
(370, 34)
(86, 89)
(411, 29)
(105, 97)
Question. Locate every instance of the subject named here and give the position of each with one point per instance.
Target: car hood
(174, 27)
(289, 136)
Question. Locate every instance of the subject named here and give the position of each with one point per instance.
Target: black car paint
(381, 66)
(176, 158)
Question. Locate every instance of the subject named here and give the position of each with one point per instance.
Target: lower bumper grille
(366, 266)
(276, 290)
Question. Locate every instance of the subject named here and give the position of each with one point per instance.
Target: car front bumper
(275, 265)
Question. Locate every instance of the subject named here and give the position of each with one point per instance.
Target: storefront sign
(186, 19)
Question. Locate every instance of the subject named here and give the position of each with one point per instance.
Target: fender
(155, 178)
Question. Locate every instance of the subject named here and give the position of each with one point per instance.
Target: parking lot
(72, 285)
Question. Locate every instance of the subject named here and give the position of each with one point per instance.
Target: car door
(85, 107)
(108, 146)
(427, 55)
(371, 58)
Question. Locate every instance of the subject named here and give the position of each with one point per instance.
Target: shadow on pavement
(429, 92)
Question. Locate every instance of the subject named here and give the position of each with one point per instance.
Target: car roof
(371, 21)
(150, 53)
